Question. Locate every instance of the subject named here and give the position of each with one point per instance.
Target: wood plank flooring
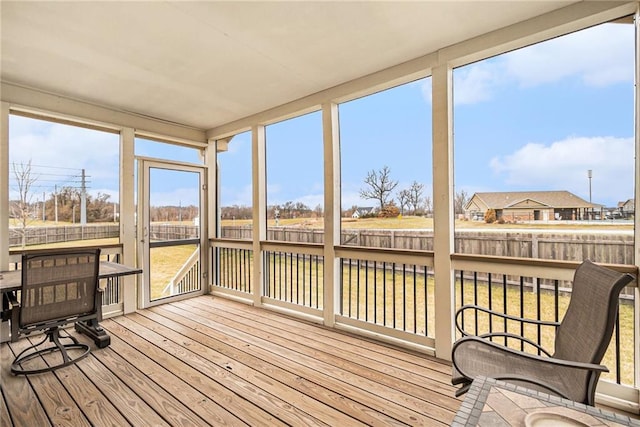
(211, 361)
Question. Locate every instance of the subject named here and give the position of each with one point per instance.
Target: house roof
(552, 199)
(205, 64)
(626, 202)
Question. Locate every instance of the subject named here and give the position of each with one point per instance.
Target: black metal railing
(235, 269)
(394, 295)
(540, 299)
(294, 277)
(112, 293)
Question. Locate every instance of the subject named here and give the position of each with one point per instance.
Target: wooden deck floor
(211, 361)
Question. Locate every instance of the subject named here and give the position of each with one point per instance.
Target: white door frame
(145, 164)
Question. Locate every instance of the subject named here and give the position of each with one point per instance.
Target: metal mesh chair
(581, 341)
(58, 288)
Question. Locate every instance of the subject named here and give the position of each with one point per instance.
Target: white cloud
(476, 83)
(58, 153)
(184, 196)
(472, 84)
(311, 200)
(563, 165)
(352, 198)
(598, 57)
(240, 197)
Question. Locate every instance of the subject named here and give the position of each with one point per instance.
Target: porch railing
(187, 279)
(233, 267)
(390, 293)
(294, 274)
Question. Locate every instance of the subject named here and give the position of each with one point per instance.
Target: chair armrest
(473, 356)
(516, 337)
(471, 307)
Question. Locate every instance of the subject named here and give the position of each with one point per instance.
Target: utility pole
(83, 200)
(590, 175)
(43, 205)
(55, 202)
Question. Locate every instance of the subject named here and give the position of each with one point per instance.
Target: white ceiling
(204, 64)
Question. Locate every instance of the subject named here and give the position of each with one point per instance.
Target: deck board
(210, 361)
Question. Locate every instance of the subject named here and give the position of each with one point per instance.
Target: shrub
(389, 211)
(490, 216)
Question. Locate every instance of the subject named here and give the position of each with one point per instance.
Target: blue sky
(533, 119)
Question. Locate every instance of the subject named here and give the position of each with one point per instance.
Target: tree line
(379, 186)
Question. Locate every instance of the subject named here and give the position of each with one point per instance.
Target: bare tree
(403, 200)
(415, 195)
(459, 201)
(20, 209)
(428, 206)
(380, 186)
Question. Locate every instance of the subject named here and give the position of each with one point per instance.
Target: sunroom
(222, 148)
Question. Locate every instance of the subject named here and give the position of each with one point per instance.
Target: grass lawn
(165, 262)
(417, 222)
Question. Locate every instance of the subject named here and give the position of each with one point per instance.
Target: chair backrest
(585, 331)
(57, 287)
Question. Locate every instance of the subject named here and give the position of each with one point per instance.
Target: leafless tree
(428, 205)
(403, 199)
(380, 185)
(415, 196)
(21, 208)
(459, 201)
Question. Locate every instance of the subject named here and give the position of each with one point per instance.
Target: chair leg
(21, 367)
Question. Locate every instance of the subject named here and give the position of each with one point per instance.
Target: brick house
(532, 206)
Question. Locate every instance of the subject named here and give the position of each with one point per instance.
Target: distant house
(362, 211)
(627, 209)
(532, 206)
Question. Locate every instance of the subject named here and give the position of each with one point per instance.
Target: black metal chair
(58, 288)
(581, 341)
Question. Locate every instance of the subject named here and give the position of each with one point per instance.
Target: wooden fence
(611, 247)
(63, 233)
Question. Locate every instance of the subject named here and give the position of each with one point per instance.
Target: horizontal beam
(38, 103)
(559, 22)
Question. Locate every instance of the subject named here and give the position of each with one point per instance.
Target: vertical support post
(5, 331)
(443, 236)
(636, 221)
(331, 143)
(258, 144)
(128, 217)
(213, 207)
(4, 186)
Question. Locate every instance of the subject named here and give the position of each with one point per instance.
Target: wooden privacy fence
(69, 233)
(174, 232)
(62, 233)
(611, 247)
